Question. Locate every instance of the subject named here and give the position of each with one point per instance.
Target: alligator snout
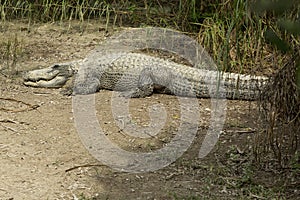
(52, 77)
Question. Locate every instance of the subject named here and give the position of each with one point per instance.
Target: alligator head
(54, 76)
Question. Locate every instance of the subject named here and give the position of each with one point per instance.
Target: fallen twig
(87, 165)
(12, 121)
(9, 128)
(256, 196)
(8, 121)
(29, 106)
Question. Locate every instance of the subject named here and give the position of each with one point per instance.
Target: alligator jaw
(56, 82)
(52, 77)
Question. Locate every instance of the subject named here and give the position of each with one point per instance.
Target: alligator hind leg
(151, 78)
(144, 87)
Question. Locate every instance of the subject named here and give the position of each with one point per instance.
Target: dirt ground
(40, 147)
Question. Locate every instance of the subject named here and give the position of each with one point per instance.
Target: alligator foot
(140, 92)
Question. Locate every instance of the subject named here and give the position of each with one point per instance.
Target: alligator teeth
(40, 74)
(55, 82)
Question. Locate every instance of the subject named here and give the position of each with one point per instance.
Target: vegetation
(280, 101)
(228, 29)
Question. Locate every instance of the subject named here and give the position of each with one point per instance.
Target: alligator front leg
(88, 86)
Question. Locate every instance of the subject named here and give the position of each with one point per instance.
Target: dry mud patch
(39, 142)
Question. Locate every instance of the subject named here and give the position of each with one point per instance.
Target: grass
(235, 38)
(228, 29)
(12, 50)
(49, 10)
(232, 175)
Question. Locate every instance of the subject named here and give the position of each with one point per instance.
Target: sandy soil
(39, 145)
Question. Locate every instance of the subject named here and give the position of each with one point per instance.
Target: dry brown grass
(280, 103)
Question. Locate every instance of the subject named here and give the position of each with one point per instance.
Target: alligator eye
(56, 66)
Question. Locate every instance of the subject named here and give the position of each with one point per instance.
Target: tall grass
(280, 100)
(52, 10)
(173, 13)
(234, 37)
(11, 50)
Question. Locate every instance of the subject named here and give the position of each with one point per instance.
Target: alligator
(139, 75)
